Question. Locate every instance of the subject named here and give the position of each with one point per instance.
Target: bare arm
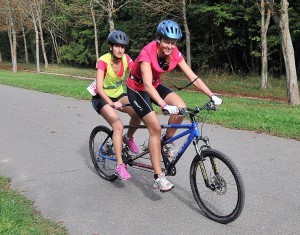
(147, 80)
(191, 76)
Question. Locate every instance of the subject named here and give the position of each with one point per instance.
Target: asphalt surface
(44, 149)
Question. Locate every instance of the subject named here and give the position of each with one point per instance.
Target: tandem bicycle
(215, 180)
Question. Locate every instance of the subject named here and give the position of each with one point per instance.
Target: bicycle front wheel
(217, 186)
(102, 152)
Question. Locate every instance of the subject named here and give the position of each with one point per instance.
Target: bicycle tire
(227, 192)
(99, 137)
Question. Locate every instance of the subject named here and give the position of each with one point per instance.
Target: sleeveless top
(149, 54)
(112, 83)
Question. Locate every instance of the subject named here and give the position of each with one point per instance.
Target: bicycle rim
(101, 149)
(223, 200)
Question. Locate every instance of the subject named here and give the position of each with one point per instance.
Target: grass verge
(267, 116)
(18, 216)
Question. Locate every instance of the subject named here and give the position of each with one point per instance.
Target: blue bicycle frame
(193, 132)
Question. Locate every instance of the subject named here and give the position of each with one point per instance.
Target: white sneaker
(162, 183)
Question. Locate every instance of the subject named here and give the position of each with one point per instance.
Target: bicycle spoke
(223, 199)
(101, 149)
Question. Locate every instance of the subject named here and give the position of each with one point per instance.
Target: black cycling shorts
(141, 102)
(98, 102)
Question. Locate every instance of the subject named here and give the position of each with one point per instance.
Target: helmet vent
(169, 29)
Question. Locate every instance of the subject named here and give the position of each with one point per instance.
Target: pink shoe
(122, 173)
(130, 142)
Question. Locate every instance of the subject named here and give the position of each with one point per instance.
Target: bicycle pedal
(172, 171)
(129, 161)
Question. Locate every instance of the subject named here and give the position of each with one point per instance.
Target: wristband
(163, 104)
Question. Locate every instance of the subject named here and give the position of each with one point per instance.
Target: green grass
(267, 116)
(54, 68)
(275, 118)
(64, 86)
(18, 216)
(219, 83)
(235, 85)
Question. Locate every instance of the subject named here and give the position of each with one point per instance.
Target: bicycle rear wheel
(102, 152)
(222, 200)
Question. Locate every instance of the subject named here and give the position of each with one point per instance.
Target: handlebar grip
(211, 106)
(182, 112)
(123, 105)
(166, 112)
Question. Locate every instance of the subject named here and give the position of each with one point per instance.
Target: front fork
(201, 159)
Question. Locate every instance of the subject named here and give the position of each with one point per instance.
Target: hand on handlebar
(117, 105)
(170, 109)
(217, 100)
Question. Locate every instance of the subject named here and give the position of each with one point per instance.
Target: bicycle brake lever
(211, 106)
(183, 112)
(165, 112)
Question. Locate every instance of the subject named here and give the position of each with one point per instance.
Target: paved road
(44, 149)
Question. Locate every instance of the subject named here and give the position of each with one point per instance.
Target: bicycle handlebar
(185, 111)
(208, 106)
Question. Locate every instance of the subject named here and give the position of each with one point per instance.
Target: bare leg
(174, 99)
(153, 125)
(111, 116)
(134, 118)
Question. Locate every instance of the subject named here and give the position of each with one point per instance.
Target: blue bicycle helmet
(118, 37)
(169, 29)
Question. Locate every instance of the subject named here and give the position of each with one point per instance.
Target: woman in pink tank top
(144, 87)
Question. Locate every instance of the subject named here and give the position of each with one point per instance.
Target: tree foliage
(225, 34)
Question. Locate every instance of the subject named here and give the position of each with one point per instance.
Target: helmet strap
(158, 38)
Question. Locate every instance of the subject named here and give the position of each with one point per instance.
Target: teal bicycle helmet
(169, 29)
(118, 37)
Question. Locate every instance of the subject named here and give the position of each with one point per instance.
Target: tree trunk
(55, 45)
(187, 34)
(265, 21)
(288, 52)
(39, 20)
(9, 33)
(246, 61)
(253, 69)
(25, 45)
(33, 18)
(292, 82)
(14, 55)
(37, 50)
(95, 29)
(43, 46)
(110, 8)
(12, 38)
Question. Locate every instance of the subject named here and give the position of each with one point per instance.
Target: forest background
(239, 37)
(230, 38)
